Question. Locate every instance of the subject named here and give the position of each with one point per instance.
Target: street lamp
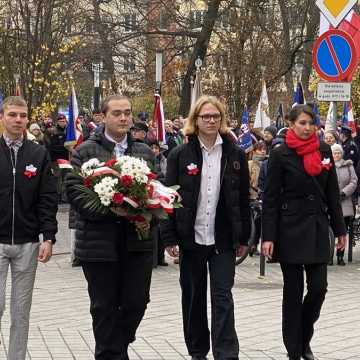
(97, 68)
(158, 70)
(17, 88)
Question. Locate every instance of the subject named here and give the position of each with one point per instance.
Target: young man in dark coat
(54, 140)
(116, 264)
(301, 195)
(211, 228)
(28, 206)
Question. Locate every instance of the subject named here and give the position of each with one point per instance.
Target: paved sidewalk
(61, 324)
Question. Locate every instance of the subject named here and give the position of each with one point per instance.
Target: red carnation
(193, 171)
(327, 166)
(126, 180)
(87, 182)
(152, 176)
(118, 198)
(30, 174)
(111, 162)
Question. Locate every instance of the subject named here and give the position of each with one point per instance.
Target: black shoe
(331, 262)
(340, 261)
(254, 251)
(198, 358)
(307, 353)
(76, 263)
(163, 263)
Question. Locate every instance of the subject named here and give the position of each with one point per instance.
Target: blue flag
(299, 95)
(74, 134)
(245, 140)
(317, 114)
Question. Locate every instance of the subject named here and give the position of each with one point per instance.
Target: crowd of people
(304, 184)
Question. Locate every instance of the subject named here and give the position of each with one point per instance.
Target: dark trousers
(193, 280)
(300, 314)
(119, 293)
(60, 175)
(160, 247)
(347, 219)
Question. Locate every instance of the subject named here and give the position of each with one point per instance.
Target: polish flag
(348, 117)
(159, 119)
(64, 164)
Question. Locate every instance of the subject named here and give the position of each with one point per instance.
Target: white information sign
(333, 91)
(335, 10)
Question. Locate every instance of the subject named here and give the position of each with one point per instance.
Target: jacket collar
(287, 151)
(226, 145)
(100, 138)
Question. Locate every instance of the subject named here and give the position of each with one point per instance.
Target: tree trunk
(311, 32)
(287, 58)
(199, 51)
(107, 49)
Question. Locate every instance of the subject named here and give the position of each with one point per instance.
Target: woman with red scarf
(302, 198)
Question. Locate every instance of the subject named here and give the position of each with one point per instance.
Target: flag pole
(158, 71)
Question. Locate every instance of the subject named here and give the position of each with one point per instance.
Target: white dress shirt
(120, 147)
(209, 193)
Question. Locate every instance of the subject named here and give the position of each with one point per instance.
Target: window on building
(225, 20)
(129, 63)
(196, 19)
(163, 21)
(130, 22)
(68, 26)
(89, 26)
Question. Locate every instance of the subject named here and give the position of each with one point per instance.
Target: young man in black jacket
(116, 264)
(28, 206)
(211, 228)
(54, 142)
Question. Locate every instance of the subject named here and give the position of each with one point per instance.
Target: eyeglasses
(208, 117)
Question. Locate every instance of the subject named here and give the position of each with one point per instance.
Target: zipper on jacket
(13, 163)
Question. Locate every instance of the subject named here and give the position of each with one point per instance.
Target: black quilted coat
(99, 237)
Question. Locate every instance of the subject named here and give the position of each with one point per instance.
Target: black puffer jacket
(232, 222)
(98, 238)
(34, 198)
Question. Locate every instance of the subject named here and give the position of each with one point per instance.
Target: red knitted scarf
(308, 150)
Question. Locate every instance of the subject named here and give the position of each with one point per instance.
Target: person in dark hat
(139, 131)
(269, 135)
(351, 151)
(143, 116)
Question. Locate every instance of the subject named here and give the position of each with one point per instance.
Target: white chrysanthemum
(106, 189)
(88, 167)
(143, 179)
(134, 167)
